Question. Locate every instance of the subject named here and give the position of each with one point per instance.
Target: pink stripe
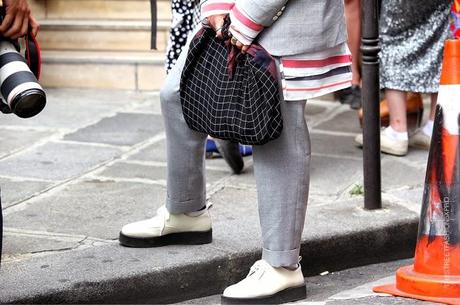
(218, 7)
(317, 88)
(246, 21)
(316, 63)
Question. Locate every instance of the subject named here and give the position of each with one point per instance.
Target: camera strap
(33, 54)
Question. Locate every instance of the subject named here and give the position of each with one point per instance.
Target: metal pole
(371, 102)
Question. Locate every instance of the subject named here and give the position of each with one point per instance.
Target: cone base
(433, 288)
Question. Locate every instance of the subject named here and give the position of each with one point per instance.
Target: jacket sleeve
(250, 17)
(214, 7)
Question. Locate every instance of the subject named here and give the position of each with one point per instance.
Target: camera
(20, 91)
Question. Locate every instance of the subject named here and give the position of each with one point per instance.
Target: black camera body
(20, 90)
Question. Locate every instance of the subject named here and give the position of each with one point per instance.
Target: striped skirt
(315, 74)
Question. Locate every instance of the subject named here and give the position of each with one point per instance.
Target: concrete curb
(192, 280)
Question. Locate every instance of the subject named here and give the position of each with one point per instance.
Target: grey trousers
(281, 171)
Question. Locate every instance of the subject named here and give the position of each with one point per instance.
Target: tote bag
(230, 95)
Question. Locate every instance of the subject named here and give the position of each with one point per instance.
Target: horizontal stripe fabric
(315, 74)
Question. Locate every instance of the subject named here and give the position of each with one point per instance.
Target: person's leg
(427, 129)
(184, 220)
(394, 138)
(184, 149)
(282, 170)
(422, 137)
(282, 176)
(397, 107)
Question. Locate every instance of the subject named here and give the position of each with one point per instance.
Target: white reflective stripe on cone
(449, 100)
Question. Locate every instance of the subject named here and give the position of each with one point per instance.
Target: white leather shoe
(387, 144)
(267, 285)
(420, 140)
(166, 229)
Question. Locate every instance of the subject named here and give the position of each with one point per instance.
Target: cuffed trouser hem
(281, 258)
(179, 207)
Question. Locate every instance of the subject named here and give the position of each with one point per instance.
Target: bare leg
(397, 107)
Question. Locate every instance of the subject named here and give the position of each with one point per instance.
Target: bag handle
(33, 54)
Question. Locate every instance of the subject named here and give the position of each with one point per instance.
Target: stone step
(138, 71)
(100, 35)
(99, 9)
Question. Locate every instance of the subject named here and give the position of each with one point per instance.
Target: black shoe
(354, 99)
(342, 95)
(350, 96)
(231, 153)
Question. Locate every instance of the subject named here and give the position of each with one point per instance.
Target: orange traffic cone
(435, 275)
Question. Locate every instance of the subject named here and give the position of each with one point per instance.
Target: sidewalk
(94, 161)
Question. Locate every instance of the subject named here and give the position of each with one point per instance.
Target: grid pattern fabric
(230, 97)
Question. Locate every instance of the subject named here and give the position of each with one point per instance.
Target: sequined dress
(412, 35)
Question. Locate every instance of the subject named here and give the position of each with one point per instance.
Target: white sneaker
(420, 140)
(267, 285)
(387, 144)
(166, 229)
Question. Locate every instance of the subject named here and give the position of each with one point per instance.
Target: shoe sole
(284, 296)
(419, 145)
(398, 153)
(185, 238)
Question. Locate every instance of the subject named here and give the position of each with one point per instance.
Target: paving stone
(329, 176)
(333, 175)
(314, 109)
(122, 129)
(414, 194)
(151, 104)
(219, 163)
(417, 157)
(17, 244)
(245, 178)
(130, 170)
(342, 145)
(236, 220)
(153, 152)
(75, 108)
(93, 208)
(13, 140)
(410, 198)
(396, 173)
(157, 152)
(56, 161)
(13, 191)
(346, 121)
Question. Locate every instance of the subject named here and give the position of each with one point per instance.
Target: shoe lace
(256, 269)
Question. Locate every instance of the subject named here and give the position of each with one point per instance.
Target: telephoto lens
(19, 87)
